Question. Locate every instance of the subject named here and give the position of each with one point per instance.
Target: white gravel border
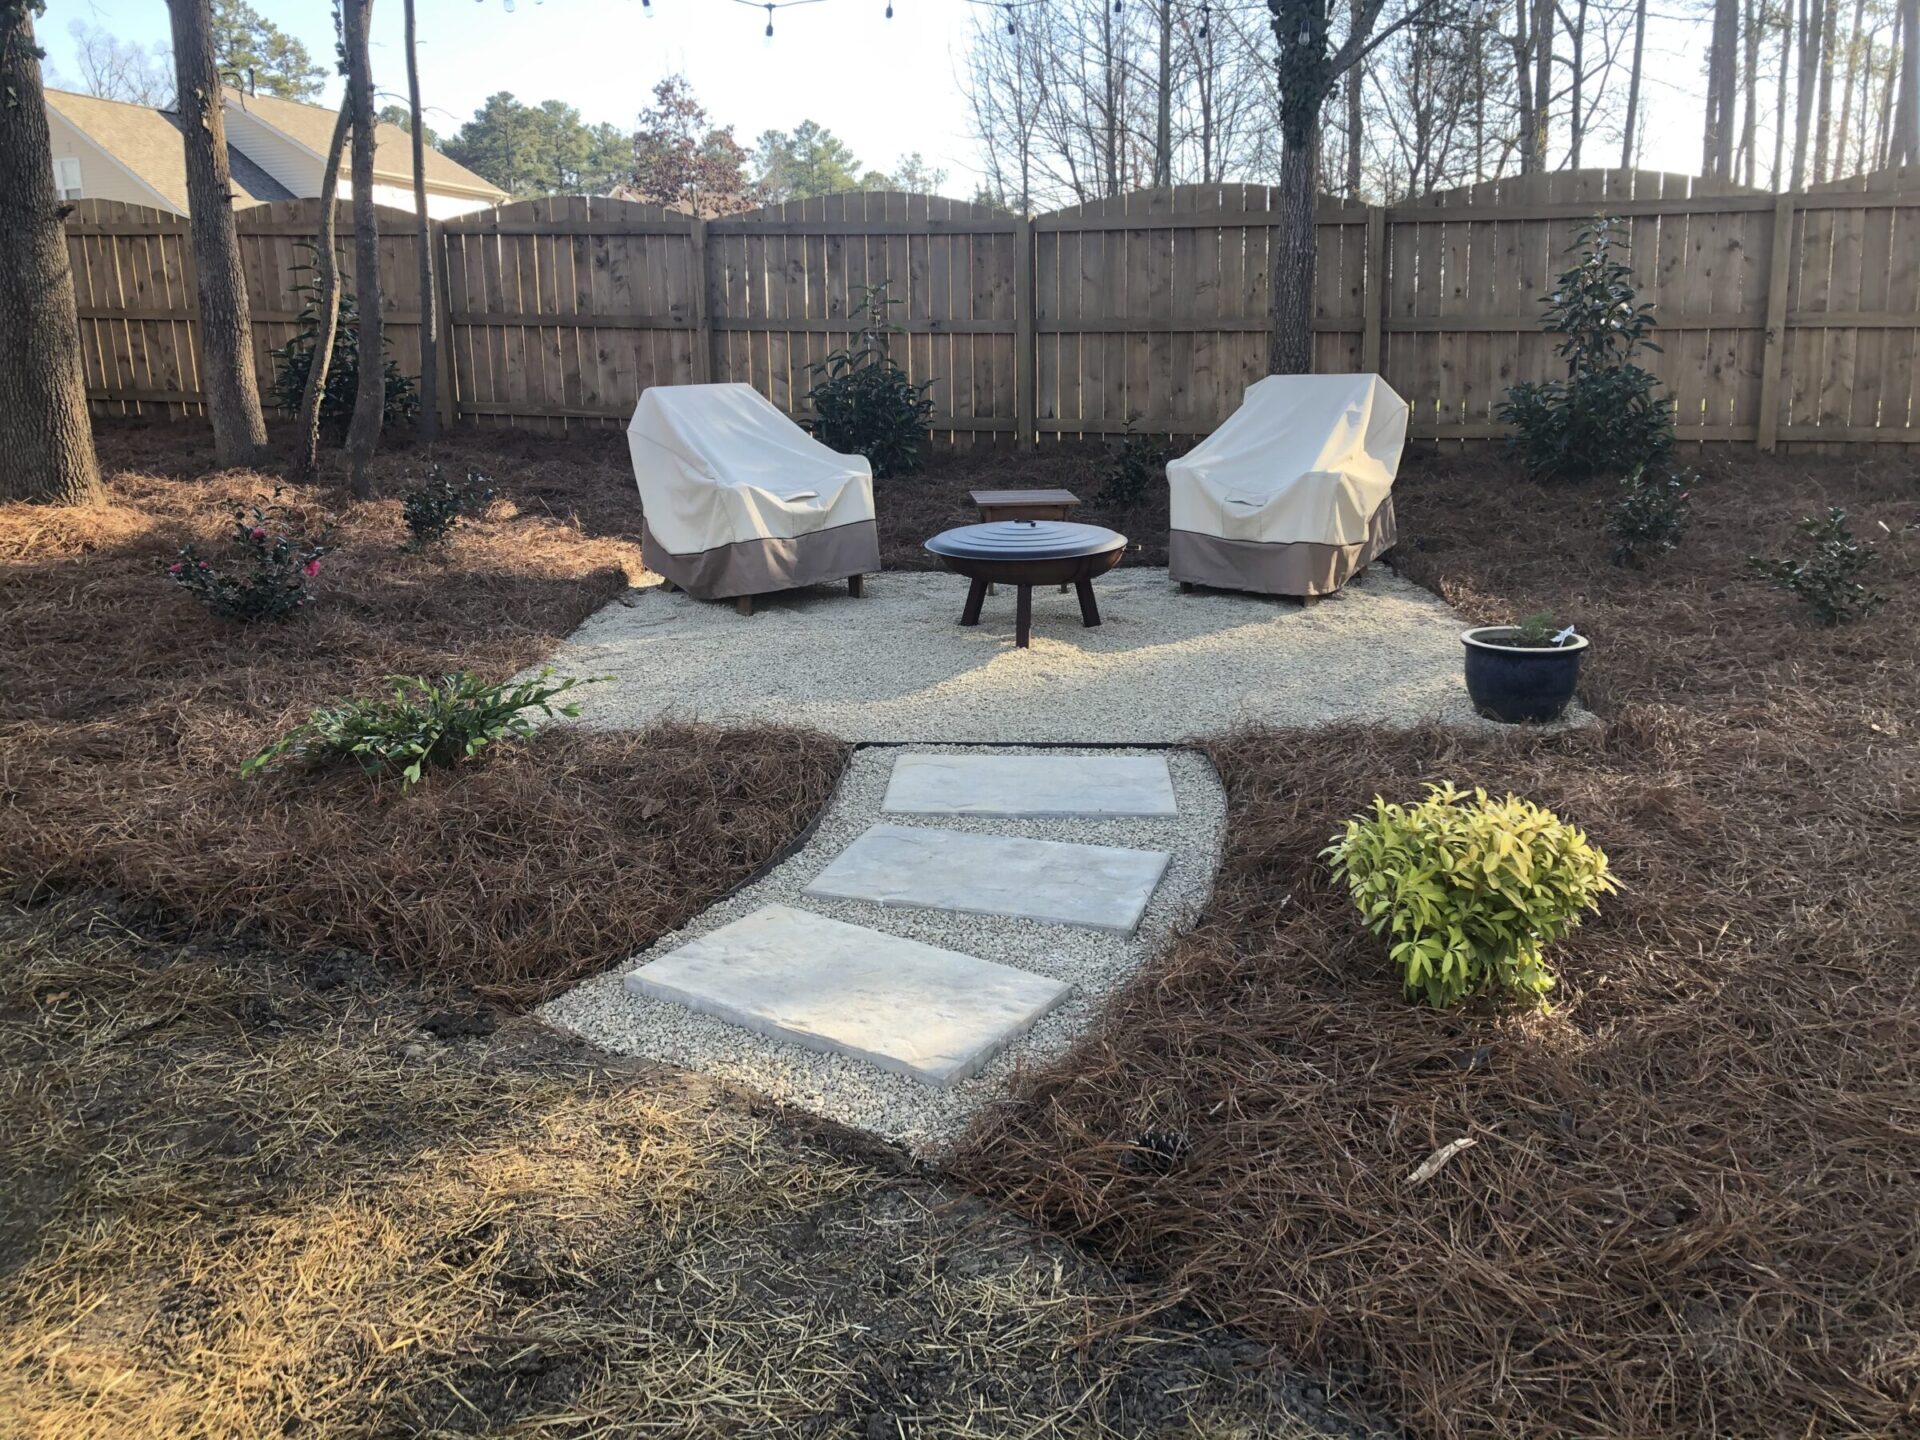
(856, 1093)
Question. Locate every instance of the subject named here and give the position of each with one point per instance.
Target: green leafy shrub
(1652, 513)
(1828, 579)
(1472, 890)
(433, 506)
(271, 576)
(422, 722)
(1605, 417)
(1139, 463)
(294, 360)
(863, 403)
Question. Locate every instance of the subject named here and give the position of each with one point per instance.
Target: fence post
(442, 338)
(1026, 360)
(1767, 427)
(1373, 293)
(702, 331)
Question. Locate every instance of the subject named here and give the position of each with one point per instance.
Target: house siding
(288, 163)
(101, 177)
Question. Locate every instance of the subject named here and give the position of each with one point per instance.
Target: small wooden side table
(1024, 504)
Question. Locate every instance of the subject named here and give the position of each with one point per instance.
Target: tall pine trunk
(46, 438)
(370, 398)
(226, 322)
(429, 295)
(1750, 83)
(1904, 146)
(1630, 135)
(328, 319)
(1823, 123)
(1808, 81)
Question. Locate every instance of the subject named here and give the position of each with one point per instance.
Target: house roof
(311, 127)
(147, 142)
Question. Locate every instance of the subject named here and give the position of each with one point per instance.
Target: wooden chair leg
(667, 587)
(1089, 607)
(1186, 587)
(744, 605)
(856, 585)
(976, 597)
(1023, 618)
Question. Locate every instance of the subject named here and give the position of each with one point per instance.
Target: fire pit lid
(1025, 540)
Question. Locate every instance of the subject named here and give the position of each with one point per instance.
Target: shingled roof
(147, 142)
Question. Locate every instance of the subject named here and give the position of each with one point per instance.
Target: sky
(886, 87)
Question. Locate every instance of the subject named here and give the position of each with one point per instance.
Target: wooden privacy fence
(1788, 319)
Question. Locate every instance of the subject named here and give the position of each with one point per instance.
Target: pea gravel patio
(1164, 667)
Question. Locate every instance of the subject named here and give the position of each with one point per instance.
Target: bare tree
(226, 324)
(327, 322)
(1309, 68)
(46, 438)
(429, 332)
(116, 69)
(370, 398)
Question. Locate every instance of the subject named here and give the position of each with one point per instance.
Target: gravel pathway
(852, 1091)
(1163, 668)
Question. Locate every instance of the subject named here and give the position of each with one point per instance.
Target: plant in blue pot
(1525, 673)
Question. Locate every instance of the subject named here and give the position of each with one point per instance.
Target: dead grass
(124, 710)
(246, 1201)
(1693, 1208)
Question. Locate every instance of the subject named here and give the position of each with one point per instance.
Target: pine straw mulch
(125, 709)
(1694, 1205)
(250, 1199)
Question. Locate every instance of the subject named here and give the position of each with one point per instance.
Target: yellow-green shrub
(1471, 889)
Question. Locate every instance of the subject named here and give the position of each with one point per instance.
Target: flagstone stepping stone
(1039, 786)
(935, 1015)
(1102, 887)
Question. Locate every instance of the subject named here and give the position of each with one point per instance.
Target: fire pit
(1026, 553)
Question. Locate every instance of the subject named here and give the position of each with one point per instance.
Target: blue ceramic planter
(1520, 684)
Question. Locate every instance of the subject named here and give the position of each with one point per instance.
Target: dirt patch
(1692, 1208)
(125, 710)
(246, 1201)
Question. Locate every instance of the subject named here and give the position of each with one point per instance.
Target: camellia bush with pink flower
(272, 572)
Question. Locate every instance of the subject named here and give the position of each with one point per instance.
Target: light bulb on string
(1206, 17)
(769, 24)
(889, 9)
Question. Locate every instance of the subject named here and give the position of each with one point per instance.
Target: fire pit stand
(1026, 553)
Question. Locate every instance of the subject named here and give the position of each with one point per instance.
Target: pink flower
(175, 568)
(258, 533)
(311, 568)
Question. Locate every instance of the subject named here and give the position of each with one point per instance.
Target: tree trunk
(1576, 122)
(1291, 351)
(226, 323)
(1779, 174)
(429, 295)
(1904, 146)
(1163, 108)
(1629, 137)
(1523, 83)
(46, 438)
(370, 398)
(1847, 91)
(1823, 124)
(1356, 128)
(1716, 157)
(328, 263)
(1542, 83)
(1809, 77)
(1750, 124)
